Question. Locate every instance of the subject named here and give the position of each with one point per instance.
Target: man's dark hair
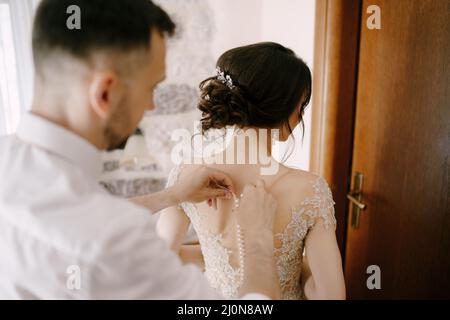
(117, 25)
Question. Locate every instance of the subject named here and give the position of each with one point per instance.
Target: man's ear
(102, 93)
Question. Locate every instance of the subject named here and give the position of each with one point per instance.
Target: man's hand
(200, 185)
(203, 184)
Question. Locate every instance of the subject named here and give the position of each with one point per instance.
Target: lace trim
(218, 270)
(289, 255)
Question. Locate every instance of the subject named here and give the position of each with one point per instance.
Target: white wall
(289, 22)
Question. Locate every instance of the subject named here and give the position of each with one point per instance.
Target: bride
(262, 87)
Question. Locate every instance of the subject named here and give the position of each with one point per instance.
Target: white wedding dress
(217, 249)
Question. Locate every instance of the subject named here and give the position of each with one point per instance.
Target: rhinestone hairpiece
(225, 79)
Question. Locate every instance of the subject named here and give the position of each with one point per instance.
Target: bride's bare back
(304, 204)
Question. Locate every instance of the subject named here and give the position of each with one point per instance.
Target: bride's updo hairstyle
(269, 84)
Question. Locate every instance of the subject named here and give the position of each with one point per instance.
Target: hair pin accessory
(225, 79)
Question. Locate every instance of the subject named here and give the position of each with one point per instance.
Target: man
(61, 234)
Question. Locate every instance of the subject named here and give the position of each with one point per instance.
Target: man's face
(137, 96)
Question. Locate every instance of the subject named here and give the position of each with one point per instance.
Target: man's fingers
(221, 178)
(220, 193)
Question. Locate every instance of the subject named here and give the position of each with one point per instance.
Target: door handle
(351, 197)
(354, 197)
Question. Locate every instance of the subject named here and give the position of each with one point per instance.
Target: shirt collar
(58, 140)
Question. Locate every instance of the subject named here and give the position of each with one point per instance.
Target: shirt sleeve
(137, 264)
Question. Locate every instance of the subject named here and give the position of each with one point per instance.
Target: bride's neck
(252, 145)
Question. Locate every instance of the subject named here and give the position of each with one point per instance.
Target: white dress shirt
(62, 236)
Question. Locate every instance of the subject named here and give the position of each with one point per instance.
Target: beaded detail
(288, 256)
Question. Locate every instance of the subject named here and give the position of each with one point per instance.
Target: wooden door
(401, 147)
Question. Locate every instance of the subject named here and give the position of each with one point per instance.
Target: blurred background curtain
(16, 65)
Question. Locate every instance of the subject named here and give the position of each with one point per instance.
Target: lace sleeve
(321, 204)
(187, 208)
(173, 175)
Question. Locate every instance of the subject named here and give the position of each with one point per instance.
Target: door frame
(336, 55)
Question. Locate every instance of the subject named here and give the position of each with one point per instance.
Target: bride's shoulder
(310, 190)
(303, 177)
(305, 183)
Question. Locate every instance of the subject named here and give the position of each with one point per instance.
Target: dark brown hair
(270, 83)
